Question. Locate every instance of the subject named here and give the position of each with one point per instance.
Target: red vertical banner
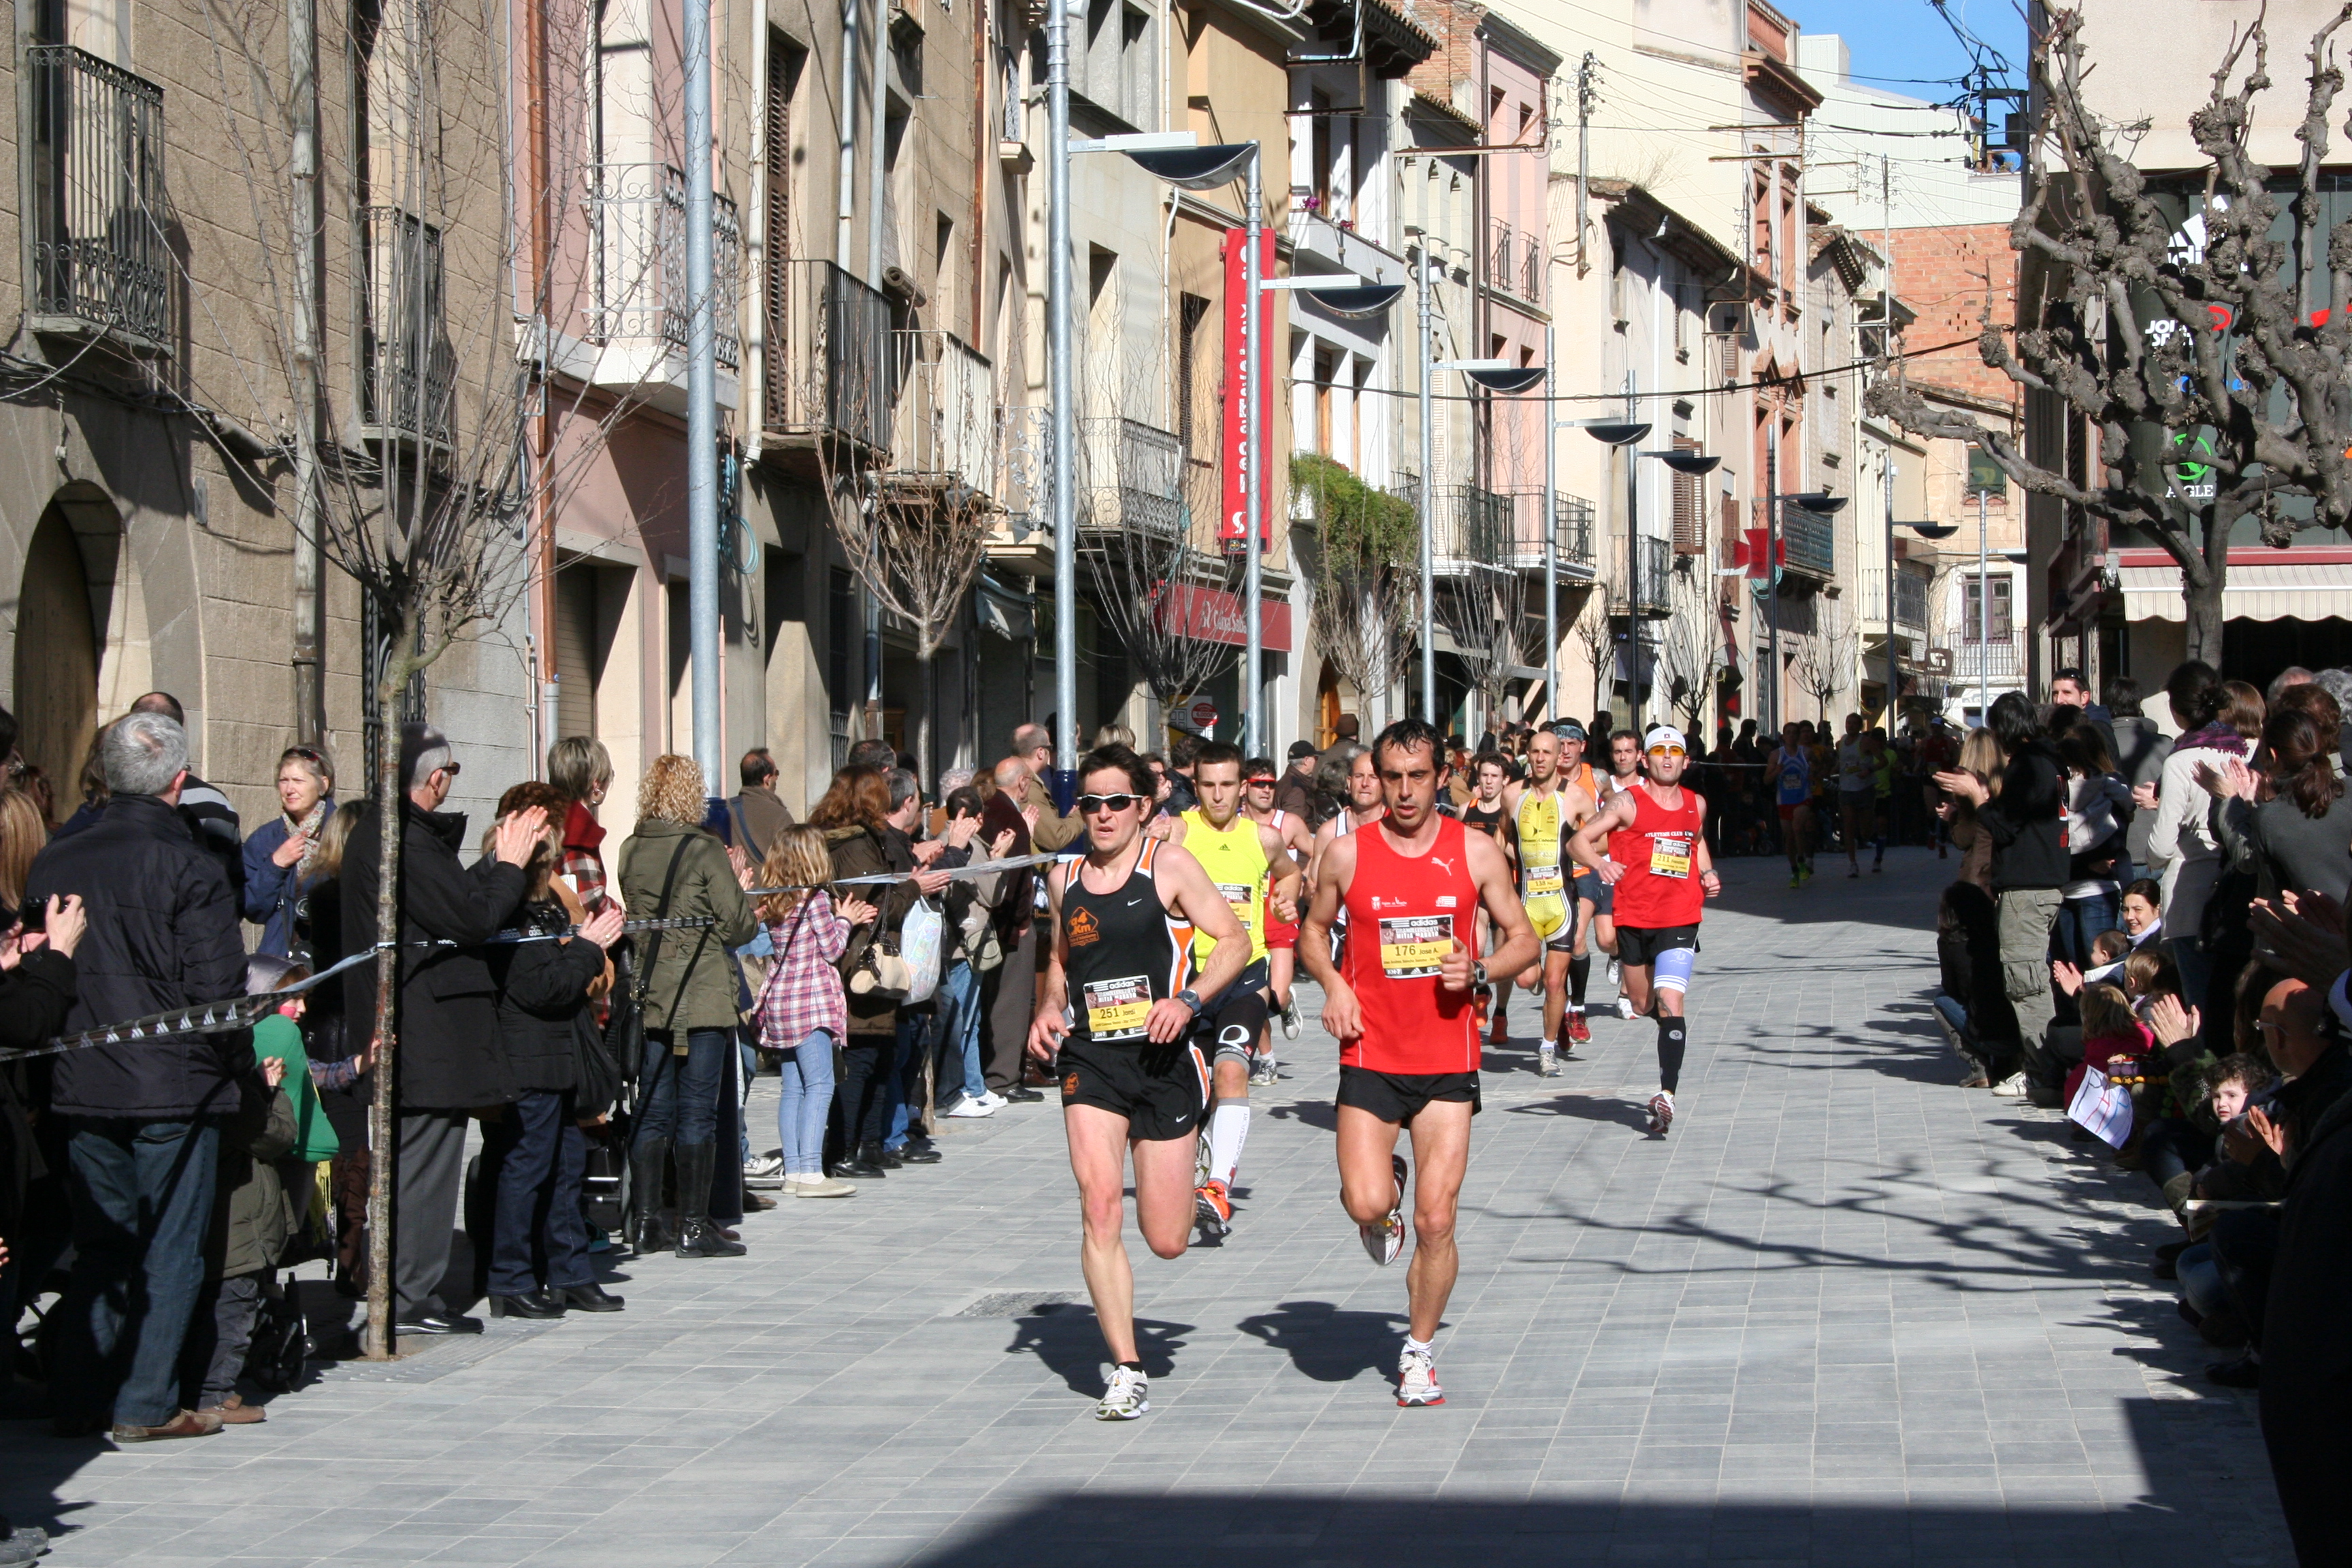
(1231, 528)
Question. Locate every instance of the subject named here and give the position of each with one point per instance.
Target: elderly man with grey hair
(142, 1119)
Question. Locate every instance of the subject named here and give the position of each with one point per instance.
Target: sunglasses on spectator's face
(1666, 751)
(1089, 804)
(1261, 783)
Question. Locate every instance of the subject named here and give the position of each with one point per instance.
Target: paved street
(1846, 1313)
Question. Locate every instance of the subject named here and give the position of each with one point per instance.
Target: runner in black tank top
(1119, 1003)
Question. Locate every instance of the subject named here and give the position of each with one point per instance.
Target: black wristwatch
(1190, 998)
(1478, 972)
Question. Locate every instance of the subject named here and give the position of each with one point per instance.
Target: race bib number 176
(1412, 946)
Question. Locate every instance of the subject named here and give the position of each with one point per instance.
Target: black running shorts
(1160, 1089)
(1640, 948)
(1398, 1096)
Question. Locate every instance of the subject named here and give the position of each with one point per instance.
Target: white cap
(1664, 735)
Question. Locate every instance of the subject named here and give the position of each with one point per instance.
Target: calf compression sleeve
(1228, 1130)
(1672, 1037)
(1580, 973)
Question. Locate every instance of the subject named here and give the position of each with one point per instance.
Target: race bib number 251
(1412, 946)
(1117, 1009)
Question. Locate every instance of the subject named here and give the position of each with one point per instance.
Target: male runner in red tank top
(1402, 1011)
(1655, 858)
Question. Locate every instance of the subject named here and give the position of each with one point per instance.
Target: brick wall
(1942, 274)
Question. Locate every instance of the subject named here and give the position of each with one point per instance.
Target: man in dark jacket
(755, 816)
(447, 1061)
(162, 933)
(2027, 826)
(1008, 998)
(1294, 792)
(208, 813)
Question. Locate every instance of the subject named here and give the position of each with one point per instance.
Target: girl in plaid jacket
(802, 1011)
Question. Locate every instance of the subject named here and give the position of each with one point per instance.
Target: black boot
(648, 1170)
(855, 1167)
(541, 1303)
(872, 1153)
(697, 1236)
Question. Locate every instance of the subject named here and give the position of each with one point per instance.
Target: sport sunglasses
(1087, 803)
(1667, 752)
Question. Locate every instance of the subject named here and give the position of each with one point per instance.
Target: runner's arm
(1045, 1030)
(1588, 848)
(1708, 879)
(1283, 870)
(1516, 946)
(1186, 889)
(1335, 867)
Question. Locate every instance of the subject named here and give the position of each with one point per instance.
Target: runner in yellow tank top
(1250, 867)
(1547, 811)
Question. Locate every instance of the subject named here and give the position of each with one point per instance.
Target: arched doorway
(57, 656)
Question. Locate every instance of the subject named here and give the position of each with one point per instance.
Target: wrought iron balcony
(829, 362)
(1809, 544)
(637, 218)
(98, 197)
(944, 425)
(1910, 598)
(1573, 530)
(408, 370)
(1655, 557)
(1517, 264)
(1131, 478)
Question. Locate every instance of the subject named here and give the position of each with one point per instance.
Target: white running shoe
(764, 1171)
(1385, 1240)
(1547, 1059)
(1289, 1021)
(1129, 1395)
(1262, 1070)
(1662, 1113)
(1417, 1379)
(971, 1105)
(993, 1101)
(1614, 970)
(1625, 1008)
(2011, 1087)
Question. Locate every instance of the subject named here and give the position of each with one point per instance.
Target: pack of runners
(1172, 941)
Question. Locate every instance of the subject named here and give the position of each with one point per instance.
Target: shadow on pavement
(1590, 1108)
(1383, 1526)
(1067, 1339)
(1328, 1344)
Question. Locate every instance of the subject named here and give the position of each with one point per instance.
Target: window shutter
(1690, 507)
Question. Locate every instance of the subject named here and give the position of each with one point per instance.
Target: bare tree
(2201, 332)
(1593, 633)
(1366, 599)
(1822, 658)
(1485, 612)
(913, 522)
(1688, 653)
(419, 465)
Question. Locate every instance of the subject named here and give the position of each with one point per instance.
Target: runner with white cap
(1649, 843)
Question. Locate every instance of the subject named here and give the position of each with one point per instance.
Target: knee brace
(1671, 969)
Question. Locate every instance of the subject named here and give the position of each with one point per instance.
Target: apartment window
(407, 365)
(1014, 127)
(2000, 626)
(1319, 110)
(97, 189)
(1690, 506)
(943, 298)
(1191, 310)
(784, 63)
(1102, 304)
(587, 602)
(1323, 374)
(1985, 477)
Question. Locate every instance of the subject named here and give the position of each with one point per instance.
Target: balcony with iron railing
(944, 422)
(1910, 598)
(1131, 478)
(1999, 662)
(1654, 555)
(408, 369)
(95, 163)
(1515, 264)
(1809, 544)
(829, 359)
(639, 307)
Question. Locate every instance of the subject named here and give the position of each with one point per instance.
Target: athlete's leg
(1098, 1160)
(1281, 968)
(1440, 1155)
(1368, 1187)
(1555, 967)
(1633, 979)
(1673, 972)
(1229, 1121)
(1854, 817)
(1163, 1201)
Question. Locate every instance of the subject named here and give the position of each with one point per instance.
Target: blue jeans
(536, 1233)
(904, 1084)
(959, 1016)
(142, 1197)
(681, 1093)
(807, 1098)
(2080, 921)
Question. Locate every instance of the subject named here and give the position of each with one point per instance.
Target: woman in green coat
(689, 999)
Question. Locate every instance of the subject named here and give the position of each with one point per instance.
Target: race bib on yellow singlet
(1545, 882)
(1670, 855)
(1412, 946)
(1243, 899)
(1118, 1008)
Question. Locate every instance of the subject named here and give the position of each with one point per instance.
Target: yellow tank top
(1542, 887)
(1235, 861)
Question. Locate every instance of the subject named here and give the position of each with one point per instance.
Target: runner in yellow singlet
(1251, 867)
(1544, 812)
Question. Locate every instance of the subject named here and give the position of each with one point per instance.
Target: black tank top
(1481, 820)
(1125, 952)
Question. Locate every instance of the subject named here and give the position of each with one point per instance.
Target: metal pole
(1253, 458)
(1894, 671)
(1428, 559)
(1772, 565)
(1632, 570)
(877, 121)
(1064, 411)
(1984, 621)
(1551, 539)
(701, 400)
(846, 204)
(302, 55)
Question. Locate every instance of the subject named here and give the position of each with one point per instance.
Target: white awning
(2300, 591)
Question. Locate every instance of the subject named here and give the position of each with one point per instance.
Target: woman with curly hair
(673, 867)
(855, 815)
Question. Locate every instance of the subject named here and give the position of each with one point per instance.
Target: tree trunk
(924, 777)
(2205, 614)
(385, 1071)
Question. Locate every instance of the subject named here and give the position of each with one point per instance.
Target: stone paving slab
(1846, 1313)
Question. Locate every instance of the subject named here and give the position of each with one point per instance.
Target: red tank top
(1403, 917)
(1659, 858)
